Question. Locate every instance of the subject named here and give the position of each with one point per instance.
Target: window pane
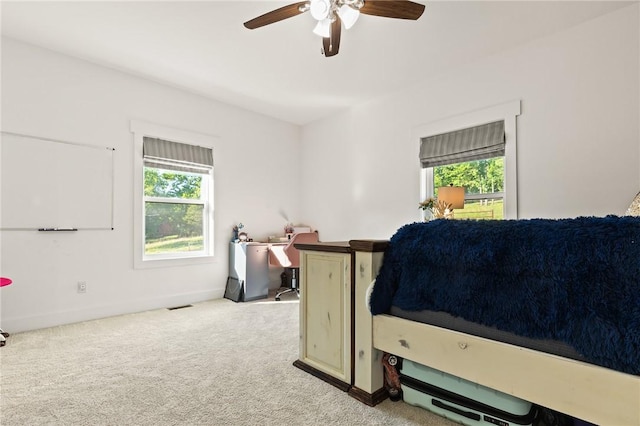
(171, 184)
(173, 228)
(481, 209)
(477, 177)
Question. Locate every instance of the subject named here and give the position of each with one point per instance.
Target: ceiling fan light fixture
(320, 9)
(304, 7)
(323, 28)
(348, 15)
(331, 14)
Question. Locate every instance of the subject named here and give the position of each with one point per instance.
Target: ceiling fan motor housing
(320, 9)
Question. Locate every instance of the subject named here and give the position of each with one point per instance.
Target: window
(173, 196)
(483, 181)
(174, 212)
(478, 152)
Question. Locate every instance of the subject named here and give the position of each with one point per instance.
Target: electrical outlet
(82, 286)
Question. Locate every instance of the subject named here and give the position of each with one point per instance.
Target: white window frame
(506, 112)
(140, 129)
(204, 201)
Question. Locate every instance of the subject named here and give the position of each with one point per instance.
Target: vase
(427, 215)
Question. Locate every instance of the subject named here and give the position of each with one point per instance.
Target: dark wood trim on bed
(369, 246)
(332, 247)
(322, 376)
(367, 398)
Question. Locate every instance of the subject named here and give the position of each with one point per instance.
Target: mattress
(569, 280)
(448, 321)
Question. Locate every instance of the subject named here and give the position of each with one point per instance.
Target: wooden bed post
(368, 385)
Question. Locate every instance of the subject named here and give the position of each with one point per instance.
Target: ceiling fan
(331, 14)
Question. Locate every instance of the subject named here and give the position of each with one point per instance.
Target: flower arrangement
(428, 204)
(436, 208)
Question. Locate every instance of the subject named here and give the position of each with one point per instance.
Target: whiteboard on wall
(48, 184)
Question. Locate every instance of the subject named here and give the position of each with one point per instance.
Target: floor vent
(180, 307)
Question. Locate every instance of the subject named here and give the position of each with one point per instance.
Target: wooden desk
(276, 254)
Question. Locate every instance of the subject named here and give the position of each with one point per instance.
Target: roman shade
(170, 155)
(473, 143)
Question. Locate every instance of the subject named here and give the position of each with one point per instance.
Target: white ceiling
(278, 70)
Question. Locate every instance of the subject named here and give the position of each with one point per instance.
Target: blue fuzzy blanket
(573, 280)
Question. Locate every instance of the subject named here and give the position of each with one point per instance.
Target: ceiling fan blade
(400, 9)
(331, 44)
(277, 15)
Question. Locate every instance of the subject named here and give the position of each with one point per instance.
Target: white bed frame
(588, 392)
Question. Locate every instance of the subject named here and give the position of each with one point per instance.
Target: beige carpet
(216, 363)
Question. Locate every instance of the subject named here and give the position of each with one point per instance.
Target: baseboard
(322, 376)
(371, 399)
(52, 319)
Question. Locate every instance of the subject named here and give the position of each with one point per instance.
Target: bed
(546, 310)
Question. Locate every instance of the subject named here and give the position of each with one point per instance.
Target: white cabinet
(249, 270)
(326, 312)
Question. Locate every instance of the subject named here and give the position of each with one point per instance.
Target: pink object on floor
(3, 335)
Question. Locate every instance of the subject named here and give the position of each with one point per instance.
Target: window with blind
(472, 158)
(476, 150)
(177, 199)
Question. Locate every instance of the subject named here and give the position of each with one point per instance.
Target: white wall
(578, 154)
(54, 96)
(578, 135)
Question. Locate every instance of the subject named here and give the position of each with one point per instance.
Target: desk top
(284, 239)
(259, 243)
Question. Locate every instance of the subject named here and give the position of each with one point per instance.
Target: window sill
(172, 262)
